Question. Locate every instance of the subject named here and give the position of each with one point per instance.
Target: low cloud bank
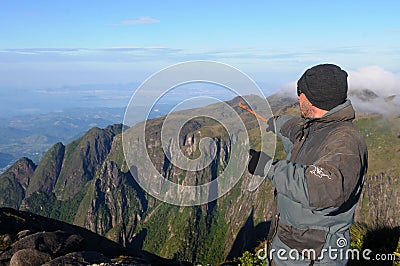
(376, 79)
(382, 87)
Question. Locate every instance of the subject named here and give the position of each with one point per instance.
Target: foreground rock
(30, 239)
(29, 257)
(79, 258)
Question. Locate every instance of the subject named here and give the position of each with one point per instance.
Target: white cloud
(288, 89)
(138, 20)
(393, 31)
(375, 78)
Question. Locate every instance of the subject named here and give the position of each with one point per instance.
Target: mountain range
(31, 135)
(88, 183)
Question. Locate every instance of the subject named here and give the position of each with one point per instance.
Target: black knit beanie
(325, 86)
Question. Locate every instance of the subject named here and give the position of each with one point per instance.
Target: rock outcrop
(36, 240)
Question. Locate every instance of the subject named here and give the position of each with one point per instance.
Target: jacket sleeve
(289, 179)
(332, 179)
(328, 182)
(284, 126)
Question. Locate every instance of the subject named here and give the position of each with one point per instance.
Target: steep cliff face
(206, 233)
(113, 205)
(14, 182)
(380, 201)
(198, 233)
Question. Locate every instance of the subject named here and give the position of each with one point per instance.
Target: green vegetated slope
(380, 199)
(382, 137)
(87, 182)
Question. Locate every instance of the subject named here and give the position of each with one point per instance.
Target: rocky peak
(82, 159)
(116, 129)
(363, 94)
(14, 182)
(48, 170)
(22, 171)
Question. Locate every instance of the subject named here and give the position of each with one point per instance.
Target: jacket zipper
(269, 242)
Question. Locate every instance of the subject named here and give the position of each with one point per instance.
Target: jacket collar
(342, 112)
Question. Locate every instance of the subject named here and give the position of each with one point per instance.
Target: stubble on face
(305, 107)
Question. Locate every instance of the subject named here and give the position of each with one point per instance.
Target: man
(318, 185)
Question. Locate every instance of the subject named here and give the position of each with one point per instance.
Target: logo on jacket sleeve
(319, 172)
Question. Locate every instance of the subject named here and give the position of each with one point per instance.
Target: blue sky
(50, 44)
